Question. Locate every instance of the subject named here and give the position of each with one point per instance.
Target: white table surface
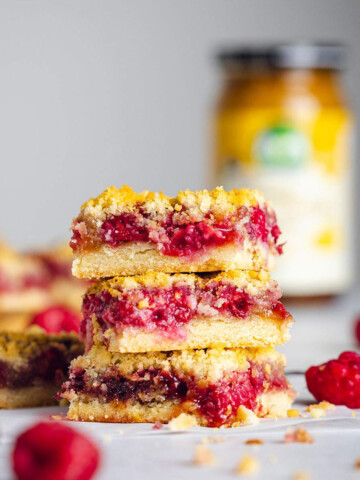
(138, 452)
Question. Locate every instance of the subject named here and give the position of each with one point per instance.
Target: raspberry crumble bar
(33, 365)
(161, 312)
(209, 384)
(126, 233)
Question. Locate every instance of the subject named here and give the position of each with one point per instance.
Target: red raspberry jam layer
(168, 310)
(50, 366)
(217, 402)
(179, 240)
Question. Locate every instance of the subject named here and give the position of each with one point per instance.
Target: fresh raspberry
(52, 451)
(357, 330)
(57, 319)
(337, 381)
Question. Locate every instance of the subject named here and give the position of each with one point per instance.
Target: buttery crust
(256, 331)
(271, 404)
(138, 258)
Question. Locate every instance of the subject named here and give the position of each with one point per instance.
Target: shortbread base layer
(138, 258)
(26, 397)
(271, 405)
(257, 331)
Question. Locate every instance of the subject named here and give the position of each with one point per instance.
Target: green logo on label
(282, 146)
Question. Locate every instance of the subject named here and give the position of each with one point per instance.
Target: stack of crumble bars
(183, 317)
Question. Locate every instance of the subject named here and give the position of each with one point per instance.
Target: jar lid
(328, 56)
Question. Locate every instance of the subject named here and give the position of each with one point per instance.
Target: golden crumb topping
(204, 198)
(208, 365)
(186, 205)
(250, 280)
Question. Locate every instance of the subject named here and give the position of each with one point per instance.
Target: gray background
(96, 93)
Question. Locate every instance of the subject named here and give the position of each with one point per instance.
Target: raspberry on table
(57, 319)
(53, 451)
(337, 381)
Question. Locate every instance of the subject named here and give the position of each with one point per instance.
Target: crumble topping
(116, 200)
(253, 281)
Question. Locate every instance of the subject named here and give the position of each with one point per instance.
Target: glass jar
(282, 125)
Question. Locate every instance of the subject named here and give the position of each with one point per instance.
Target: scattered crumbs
(248, 465)
(157, 425)
(320, 409)
(293, 412)
(56, 417)
(120, 431)
(107, 438)
(254, 441)
(301, 475)
(273, 459)
(353, 414)
(246, 416)
(203, 456)
(183, 422)
(214, 439)
(299, 435)
(357, 463)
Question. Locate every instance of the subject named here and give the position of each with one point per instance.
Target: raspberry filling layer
(217, 402)
(50, 366)
(183, 239)
(167, 310)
